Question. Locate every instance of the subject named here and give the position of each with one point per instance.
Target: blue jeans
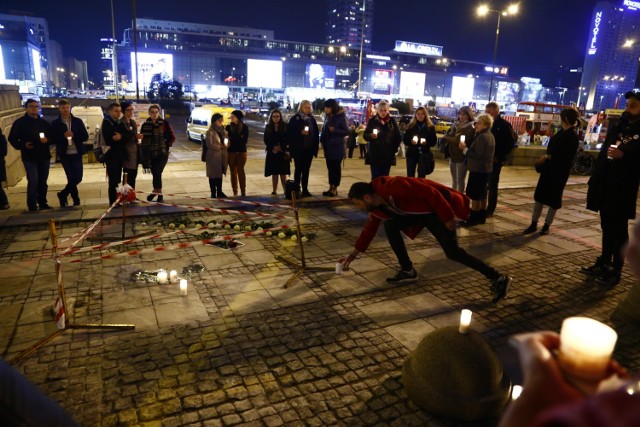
(72, 165)
(377, 171)
(37, 175)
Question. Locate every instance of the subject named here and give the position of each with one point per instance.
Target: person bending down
(408, 205)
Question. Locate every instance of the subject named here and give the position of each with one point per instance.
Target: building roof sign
(418, 48)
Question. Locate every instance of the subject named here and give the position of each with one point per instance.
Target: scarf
(384, 120)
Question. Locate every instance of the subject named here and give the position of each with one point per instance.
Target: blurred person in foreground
(613, 191)
(406, 206)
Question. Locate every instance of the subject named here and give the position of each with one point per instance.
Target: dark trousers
(4, 201)
(335, 171)
(72, 165)
(132, 174)
(157, 167)
(446, 238)
(37, 175)
(215, 185)
(412, 166)
(114, 174)
(615, 235)
(377, 171)
(363, 150)
(302, 164)
(494, 179)
(351, 152)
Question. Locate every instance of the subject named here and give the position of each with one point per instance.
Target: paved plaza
(241, 350)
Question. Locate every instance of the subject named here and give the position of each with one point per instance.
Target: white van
(92, 118)
(200, 119)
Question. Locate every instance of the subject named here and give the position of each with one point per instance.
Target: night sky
(545, 35)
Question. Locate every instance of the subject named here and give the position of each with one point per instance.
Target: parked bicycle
(583, 163)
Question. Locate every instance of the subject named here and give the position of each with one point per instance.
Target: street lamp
(483, 10)
(629, 43)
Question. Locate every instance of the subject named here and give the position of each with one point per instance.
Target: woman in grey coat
(214, 154)
(479, 164)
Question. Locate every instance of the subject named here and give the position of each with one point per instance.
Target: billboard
(2, 75)
(264, 73)
(508, 92)
(462, 88)
(150, 64)
(418, 48)
(35, 55)
(412, 84)
(382, 81)
(320, 76)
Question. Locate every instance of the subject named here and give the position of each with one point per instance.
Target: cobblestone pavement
(241, 350)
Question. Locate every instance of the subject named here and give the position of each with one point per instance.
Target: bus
(539, 118)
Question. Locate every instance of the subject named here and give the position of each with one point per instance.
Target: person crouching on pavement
(408, 205)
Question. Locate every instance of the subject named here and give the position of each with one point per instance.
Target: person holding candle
(278, 158)
(30, 134)
(548, 399)
(238, 136)
(131, 137)
(214, 154)
(407, 205)
(334, 132)
(383, 135)
(419, 137)
(158, 137)
(613, 191)
(505, 139)
(4, 201)
(303, 138)
(462, 130)
(69, 134)
(555, 171)
(112, 130)
(479, 154)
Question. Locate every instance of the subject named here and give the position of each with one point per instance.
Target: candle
(415, 139)
(614, 146)
(162, 277)
(465, 321)
(139, 139)
(462, 138)
(338, 268)
(306, 128)
(173, 276)
(41, 135)
(586, 346)
(183, 287)
(375, 131)
(69, 140)
(226, 142)
(423, 141)
(516, 391)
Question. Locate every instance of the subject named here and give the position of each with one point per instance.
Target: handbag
(540, 161)
(426, 163)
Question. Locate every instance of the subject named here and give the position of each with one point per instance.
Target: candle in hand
(414, 140)
(306, 128)
(183, 287)
(226, 142)
(465, 321)
(462, 138)
(41, 135)
(375, 131)
(586, 346)
(162, 277)
(69, 140)
(423, 141)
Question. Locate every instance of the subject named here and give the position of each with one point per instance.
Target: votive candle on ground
(338, 268)
(183, 287)
(465, 321)
(586, 346)
(173, 276)
(162, 277)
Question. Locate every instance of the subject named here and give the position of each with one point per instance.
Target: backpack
(100, 148)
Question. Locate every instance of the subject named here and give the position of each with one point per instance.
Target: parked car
(443, 126)
(200, 119)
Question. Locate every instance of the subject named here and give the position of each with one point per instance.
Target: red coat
(413, 196)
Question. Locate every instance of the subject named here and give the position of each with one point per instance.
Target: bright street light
(629, 43)
(483, 10)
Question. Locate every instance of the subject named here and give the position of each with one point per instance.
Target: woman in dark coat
(277, 160)
(555, 171)
(419, 137)
(303, 139)
(384, 138)
(334, 132)
(4, 202)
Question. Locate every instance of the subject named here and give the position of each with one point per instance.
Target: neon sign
(631, 4)
(595, 31)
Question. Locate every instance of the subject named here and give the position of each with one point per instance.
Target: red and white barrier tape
(90, 228)
(180, 245)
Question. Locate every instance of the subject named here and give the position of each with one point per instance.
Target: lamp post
(482, 11)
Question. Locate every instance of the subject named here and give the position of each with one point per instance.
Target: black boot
(221, 195)
(610, 278)
(532, 228)
(545, 230)
(482, 216)
(599, 268)
(472, 220)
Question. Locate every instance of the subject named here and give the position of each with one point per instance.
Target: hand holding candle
(226, 142)
(462, 145)
(586, 346)
(423, 141)
(465, 321)
(374, 134)
(69, 140)
(414, 140)
(338, 268)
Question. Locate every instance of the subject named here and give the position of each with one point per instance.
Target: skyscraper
(612, 52)
(348, 21)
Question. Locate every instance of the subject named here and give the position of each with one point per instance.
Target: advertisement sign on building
(382, 82)
(418, 48)
(412, 84)
(264, 73)
(150, 64)
(320, 76)
(593, 34)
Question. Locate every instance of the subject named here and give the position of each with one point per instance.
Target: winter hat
(238, 114)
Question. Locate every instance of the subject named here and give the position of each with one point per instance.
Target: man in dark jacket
(613, 191)
(30, 134)
(112, 130)
(502, 132)
(69, 134)
(4, 202)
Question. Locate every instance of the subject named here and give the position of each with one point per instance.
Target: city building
(612, 53)
(348, 21)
